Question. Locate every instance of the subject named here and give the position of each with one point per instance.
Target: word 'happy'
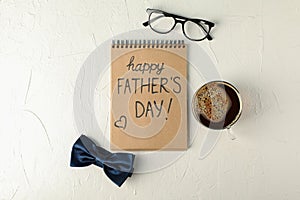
(145, 67)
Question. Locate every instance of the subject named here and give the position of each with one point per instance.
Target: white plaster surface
(43, 44)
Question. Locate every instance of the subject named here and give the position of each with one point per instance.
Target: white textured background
(43, 44)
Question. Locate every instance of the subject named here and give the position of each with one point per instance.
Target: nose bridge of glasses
(179, 20)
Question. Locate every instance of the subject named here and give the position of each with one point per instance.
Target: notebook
(148, 109)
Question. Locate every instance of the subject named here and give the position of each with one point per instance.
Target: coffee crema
(217, 105)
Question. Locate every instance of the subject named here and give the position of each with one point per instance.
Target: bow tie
(117, 166)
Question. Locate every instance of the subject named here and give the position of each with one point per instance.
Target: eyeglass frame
(178, 19)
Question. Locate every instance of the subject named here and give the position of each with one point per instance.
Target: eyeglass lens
(193, 31)
(160, 23)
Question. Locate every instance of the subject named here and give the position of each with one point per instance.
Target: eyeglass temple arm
(152, 20)
(146, 23)
(207, 34)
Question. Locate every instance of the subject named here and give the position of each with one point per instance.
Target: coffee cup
(217, 105)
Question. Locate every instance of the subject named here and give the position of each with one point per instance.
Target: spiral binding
(148, 44)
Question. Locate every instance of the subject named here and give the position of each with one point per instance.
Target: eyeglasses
(163, 22)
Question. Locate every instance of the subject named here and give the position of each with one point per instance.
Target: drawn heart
(121, 122)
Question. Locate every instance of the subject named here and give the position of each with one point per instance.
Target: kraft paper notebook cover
(148, 95)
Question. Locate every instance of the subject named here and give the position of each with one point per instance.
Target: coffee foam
(213, 102)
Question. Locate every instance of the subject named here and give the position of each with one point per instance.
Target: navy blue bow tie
(117, 166)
